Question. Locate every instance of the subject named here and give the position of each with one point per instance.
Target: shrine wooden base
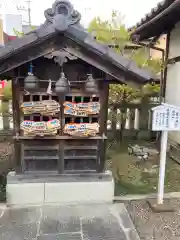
(52, 188)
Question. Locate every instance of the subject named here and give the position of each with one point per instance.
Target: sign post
(162, 167)
(165, 118)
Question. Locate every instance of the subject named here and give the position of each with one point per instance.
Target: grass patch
(134, 177)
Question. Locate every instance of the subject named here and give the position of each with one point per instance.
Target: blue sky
(132, 10)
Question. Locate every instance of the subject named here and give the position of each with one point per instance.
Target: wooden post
(104, 93)
(16, 122)
(162, 167)
(61, 143)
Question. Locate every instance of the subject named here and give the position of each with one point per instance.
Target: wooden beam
(100, 63)
(29, 54)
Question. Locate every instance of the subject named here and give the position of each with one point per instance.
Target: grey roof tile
(80, 36)
(45, 31)
(77, 33)
(110, 55)
(154, 11)
(159, 21)
(7, 49)
(24, 41)
(101, 49)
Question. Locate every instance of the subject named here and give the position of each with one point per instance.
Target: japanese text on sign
(166, 118)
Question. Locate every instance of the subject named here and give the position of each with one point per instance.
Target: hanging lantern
(62, 85)
(90, 84)
(30, 82)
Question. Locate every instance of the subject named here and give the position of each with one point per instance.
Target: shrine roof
(158, 21)
(63, 26)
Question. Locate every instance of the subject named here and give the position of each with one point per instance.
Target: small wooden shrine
(60, 82)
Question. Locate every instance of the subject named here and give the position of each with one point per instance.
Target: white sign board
(166, 118)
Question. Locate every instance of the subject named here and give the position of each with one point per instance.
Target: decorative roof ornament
(62, 15)
(62, 53)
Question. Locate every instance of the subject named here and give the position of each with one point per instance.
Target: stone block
(158, 208)
(32, 189)
(25, 193)
(81, 192)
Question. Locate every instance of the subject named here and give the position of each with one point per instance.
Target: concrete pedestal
(38, 189)
(158, 208)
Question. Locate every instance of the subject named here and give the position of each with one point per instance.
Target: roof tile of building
(159, 20)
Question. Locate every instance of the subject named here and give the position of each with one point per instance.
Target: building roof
(62, 29)
(158, 21)
(26, 28)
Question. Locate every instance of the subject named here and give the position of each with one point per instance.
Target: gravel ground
(155, 226)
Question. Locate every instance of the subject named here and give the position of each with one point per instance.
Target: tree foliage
(110, 31)
(18, 33)
(21, 34)
(120, 95)
(123, 94)
(113, 32)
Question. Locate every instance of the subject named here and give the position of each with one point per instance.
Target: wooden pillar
(61, 143)
(104, 93)
(16, 122)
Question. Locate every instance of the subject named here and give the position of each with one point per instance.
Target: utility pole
(28, 10)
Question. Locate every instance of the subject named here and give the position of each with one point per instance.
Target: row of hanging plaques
(51, 107)
(32, 128)
(51, 127)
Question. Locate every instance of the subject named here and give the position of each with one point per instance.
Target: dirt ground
(155, 226)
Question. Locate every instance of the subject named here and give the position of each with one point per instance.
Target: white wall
(173, 76)
(10, 22)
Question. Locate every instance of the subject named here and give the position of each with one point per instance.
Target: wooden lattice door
(39, 154)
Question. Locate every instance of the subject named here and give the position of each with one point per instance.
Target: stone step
(68, 222)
